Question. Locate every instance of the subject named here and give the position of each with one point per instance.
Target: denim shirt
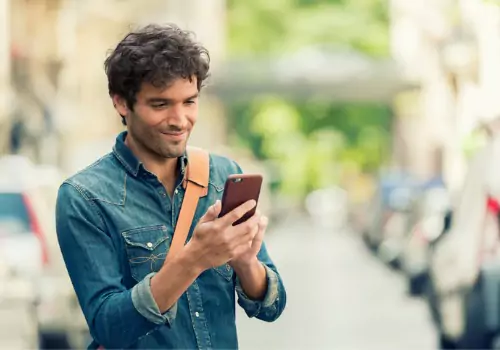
(115, 223)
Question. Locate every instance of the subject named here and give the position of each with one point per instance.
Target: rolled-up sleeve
(272, 305)
(117, 317)
(146, 305)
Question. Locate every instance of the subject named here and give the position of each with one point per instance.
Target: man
(116, 218)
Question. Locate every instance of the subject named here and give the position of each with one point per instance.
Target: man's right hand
(216, 241)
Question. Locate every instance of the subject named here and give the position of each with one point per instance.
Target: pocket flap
(149, 237)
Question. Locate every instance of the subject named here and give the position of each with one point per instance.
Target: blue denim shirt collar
(130, 162)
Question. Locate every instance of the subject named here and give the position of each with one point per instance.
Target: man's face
(162, 119)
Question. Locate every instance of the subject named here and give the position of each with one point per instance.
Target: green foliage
(310, 142)
(492, 2)
(269, 27)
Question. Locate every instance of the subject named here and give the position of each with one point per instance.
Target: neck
(164, 168)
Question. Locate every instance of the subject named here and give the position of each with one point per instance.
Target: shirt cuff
(254, 307)
(145, 304)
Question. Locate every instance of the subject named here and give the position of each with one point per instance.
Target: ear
(120, 105)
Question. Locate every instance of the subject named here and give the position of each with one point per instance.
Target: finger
(259, 237)
(263, 223)
(253, 232)
(260, 230)
(212, 212)
(247, 230)
(248, 225)
(238, 212)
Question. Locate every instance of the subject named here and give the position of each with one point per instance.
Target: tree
(310, 142)
(270, 27)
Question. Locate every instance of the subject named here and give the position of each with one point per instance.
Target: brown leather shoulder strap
(198, 166)
(196, 185)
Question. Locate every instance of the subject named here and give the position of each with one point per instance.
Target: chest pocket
(147, 248)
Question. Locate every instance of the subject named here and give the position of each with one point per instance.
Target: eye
(190, 102)
(159, 105)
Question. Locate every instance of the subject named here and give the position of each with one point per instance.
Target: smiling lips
(174, 135)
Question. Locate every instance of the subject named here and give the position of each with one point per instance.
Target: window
(14, 216)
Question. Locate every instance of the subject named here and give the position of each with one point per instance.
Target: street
(339, 297)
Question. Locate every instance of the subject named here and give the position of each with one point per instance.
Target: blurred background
(374, 122)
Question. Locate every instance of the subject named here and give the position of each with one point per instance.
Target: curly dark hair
(157, 55)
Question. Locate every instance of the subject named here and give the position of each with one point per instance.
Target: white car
(429, 216)
(29, 248)
(18, 317)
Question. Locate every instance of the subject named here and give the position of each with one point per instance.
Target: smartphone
(240, 188)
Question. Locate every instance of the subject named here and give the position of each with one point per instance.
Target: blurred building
(451, 50)
(4, 71)
(424, 117)
(55, 106)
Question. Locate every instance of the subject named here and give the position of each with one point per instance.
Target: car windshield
(14, 217)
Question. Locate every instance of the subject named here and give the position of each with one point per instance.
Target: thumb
(212, 212)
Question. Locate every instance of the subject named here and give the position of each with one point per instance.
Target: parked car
(464, 275)
(29, 247)
(18, 322)
(399, 228)
(388, 211)
(430, 220)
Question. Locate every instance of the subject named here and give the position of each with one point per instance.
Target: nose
(176, 115)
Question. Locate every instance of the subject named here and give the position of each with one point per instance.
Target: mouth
(175, 135)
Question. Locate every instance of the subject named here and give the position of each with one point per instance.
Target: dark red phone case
(240, 188)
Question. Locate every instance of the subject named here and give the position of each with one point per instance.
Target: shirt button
(197, 314)
(149, 244)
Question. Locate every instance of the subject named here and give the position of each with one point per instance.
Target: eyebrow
(163, 100)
